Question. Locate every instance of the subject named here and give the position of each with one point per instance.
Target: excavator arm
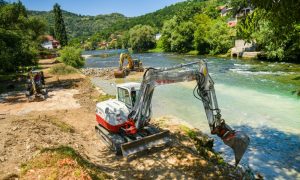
(124, 56)
(204, 91)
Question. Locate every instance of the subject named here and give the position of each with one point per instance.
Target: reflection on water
(265, 109)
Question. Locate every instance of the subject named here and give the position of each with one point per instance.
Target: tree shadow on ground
(274, 153)
(64, 83)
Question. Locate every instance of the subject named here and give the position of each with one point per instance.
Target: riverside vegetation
(193, 27)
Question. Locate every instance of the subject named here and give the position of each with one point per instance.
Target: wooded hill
(83, 25)
(80, 25)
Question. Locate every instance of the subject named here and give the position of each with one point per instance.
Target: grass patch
(62, 126)
(105, 97)
(62, 69)
(189, 132)
(61, 162)
(156, 50)
(193, 52)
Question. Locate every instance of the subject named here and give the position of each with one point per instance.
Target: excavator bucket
(239, 143)
(144, 143)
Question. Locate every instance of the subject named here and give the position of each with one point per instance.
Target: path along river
(253, 98)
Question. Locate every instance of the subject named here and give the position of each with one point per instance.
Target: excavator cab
(127, 93)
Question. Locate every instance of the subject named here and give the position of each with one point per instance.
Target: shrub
(61, 69)
(71, 56)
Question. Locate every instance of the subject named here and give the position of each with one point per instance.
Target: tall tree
(142, 38)
(19, 37)
(59, 26)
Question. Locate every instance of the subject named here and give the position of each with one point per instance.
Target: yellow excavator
(132, 65)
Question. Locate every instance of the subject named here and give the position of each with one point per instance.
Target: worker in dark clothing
(133, 97)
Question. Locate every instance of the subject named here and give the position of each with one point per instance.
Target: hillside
(81, 25)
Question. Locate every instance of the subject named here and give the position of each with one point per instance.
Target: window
(124, 96)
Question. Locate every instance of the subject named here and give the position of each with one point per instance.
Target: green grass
(156, 50)
(188, 131)
(62, 125)
(62, 69)
(105, 97)
(193, 52)
(50, 156)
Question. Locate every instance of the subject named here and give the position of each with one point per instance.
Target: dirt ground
(67, 118)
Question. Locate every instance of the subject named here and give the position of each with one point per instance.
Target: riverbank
(38, 132)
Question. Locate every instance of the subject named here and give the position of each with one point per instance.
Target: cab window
(124, 96)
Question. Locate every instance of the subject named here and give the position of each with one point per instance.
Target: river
(253, 98)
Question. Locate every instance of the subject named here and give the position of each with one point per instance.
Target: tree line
(274, 26)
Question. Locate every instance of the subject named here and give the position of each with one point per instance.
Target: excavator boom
(204, 91)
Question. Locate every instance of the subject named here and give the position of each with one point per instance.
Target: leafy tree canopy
(19, 37)
(142, 38)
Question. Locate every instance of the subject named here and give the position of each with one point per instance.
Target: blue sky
(94, 7)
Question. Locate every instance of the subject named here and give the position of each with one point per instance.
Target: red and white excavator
(124, 122)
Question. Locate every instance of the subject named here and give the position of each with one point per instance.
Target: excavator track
(128, 145)
(113, 141)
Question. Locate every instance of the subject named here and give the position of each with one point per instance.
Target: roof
(49, 38)
(129, 85)
(232, 23)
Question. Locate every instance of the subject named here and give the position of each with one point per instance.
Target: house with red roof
(50, 43)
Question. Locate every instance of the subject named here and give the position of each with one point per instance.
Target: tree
(220, 37)
(19, 37)
(166, 35)
(182, 38)
(59, 26)
(71, 56)
(142, 38)
(274, 25)
(203, 25)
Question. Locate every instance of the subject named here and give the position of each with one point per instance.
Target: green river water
(256, 97)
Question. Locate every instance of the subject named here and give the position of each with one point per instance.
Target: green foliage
(275, 27)
(141, 38)
(212, 36)
(105, 97)
(62, 69)
(71, 56)
(166, 35)
(203, 26)
(158, 48)
(201, 33)
(19, 37)
(219, 37)
(279, 41)
(79, 25)
(59, 26)
(182, 38)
